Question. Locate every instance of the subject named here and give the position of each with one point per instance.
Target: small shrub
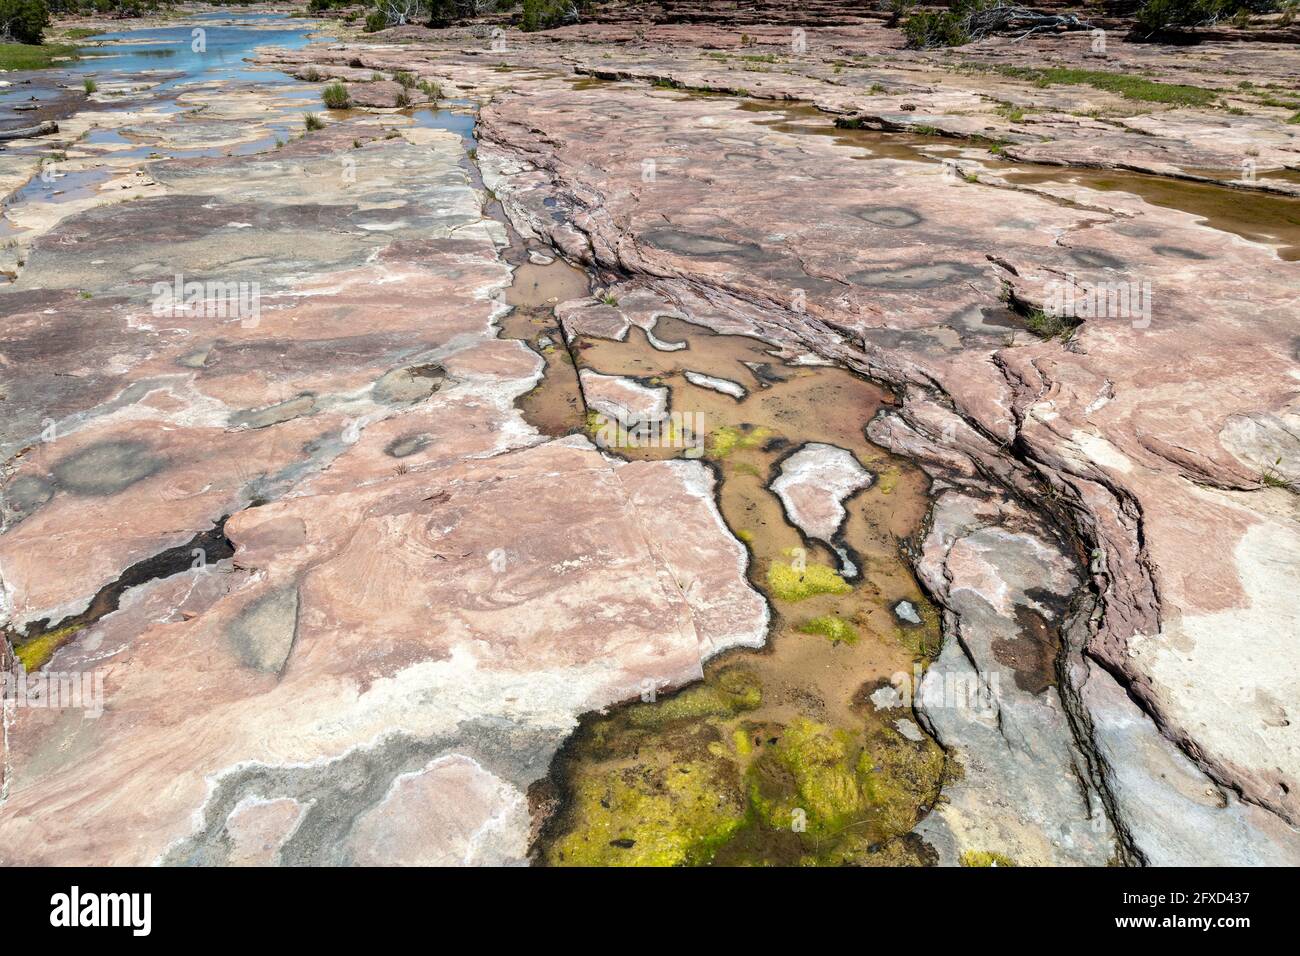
(335, 96)
(1047, 325)
(898, 9)
(311, 74)
(312, 121)
(928, 29)
(431, 89)
(375, 22)
(1271, 476)
(407, 80)
(403, 99)
(89, 85)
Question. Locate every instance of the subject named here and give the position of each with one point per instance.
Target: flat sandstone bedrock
(1155, 434)
(862, 73)
(434, 591)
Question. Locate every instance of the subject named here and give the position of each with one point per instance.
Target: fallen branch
(44, 129)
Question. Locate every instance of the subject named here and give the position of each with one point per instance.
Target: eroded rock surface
(1127, 434)
(1113, 536)
(813, 485)
(424, 591)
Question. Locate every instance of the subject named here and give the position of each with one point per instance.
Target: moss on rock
(724, 440)
(672, 815)
(829, 626)
(789, 583)
(985, 858)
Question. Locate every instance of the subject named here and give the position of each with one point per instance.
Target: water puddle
(219, 51)
(1267, 218)
(555, 406)
(778, 755)
(1258, 216)
(804, 119)
(462, 123)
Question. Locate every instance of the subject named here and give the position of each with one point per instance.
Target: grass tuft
(335, 96)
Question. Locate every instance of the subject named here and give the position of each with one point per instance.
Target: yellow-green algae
(732, 693)
(37, 652)
(673, 815)
(725, 439)
(789, 583)
(985, 858)
(831, 627)
(701, 783)
(924, 638)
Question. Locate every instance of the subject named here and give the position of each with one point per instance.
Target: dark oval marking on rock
(699, 245)
(263, 634)
(405, 386)
(892, 217)
(1096, 259)
(1178, 252)
(107, 467)
(304, 404)
(407, 445)
(914, 277)
(24, 495)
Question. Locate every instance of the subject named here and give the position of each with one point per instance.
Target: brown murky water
(555, 406)
(777, 737)
(1258, 216)
(1263, 217)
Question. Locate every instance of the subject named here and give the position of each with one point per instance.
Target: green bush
(1156, 17)
(375, 22)
(545, 14)
(24, 20)
(925, 29)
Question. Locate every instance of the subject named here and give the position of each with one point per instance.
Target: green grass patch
(33, 56)
(1011, 112)
(312, 122)
(1128, 86)
(1048, 326)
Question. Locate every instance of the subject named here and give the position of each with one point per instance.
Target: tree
(398, 13)
(23, 21)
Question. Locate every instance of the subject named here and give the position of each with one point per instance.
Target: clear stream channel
(716, 771)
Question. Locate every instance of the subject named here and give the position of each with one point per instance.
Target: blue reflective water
(460, 123)
(199, 50)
